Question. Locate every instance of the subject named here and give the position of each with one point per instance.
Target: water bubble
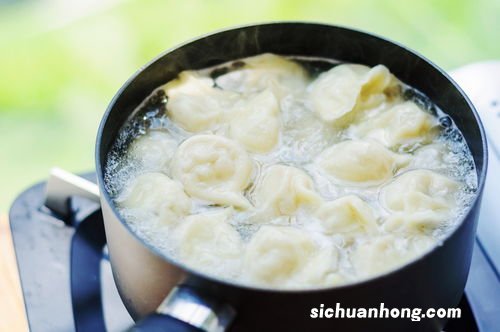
(445, 121)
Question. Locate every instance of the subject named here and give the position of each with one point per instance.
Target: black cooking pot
(145, 276)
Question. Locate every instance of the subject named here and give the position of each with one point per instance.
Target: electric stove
(66, 276)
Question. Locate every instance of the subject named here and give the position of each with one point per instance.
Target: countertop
(12, 314)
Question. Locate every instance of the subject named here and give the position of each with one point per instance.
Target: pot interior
(300, 39)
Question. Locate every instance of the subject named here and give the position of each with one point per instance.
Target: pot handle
(187, 309)
(61, 185)
(161, 323)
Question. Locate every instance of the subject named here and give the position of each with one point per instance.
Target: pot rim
(226, 282)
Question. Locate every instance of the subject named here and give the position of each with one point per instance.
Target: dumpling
(158, 195)
(334, 93)
(338, 92)
(208, 241)
(374, 80)
(380, 255)
(403, 124)
(347, 215)
(154, 150)
(360, 162)
(213, 168)
(376, 85)
(263, 72)
(283, 256)
(414, 222)
(283, 190)
(321, 270)
(420, 190)
(195, 104)
(255, 122)
(421, 200)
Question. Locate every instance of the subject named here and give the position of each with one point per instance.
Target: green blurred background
(61, 61)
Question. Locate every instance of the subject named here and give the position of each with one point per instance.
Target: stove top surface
(66, 276)
(63, 265)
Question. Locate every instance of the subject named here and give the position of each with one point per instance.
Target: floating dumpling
(264, 72)
(347, 215)
(335, 94)
(255, 124)
(402, 124)
(284, 189)
(360, 162)
(380, 255)
(208, 241)
(154, 150)
(275, 255)
(322, 269)
(194, 103)
(213, 168)
(375, 82)
(156, 194)
(421, 201)
(420, 190)
(415, 222)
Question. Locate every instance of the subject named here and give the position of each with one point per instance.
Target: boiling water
(303, 136)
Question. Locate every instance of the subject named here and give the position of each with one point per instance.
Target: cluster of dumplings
(271, 176)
